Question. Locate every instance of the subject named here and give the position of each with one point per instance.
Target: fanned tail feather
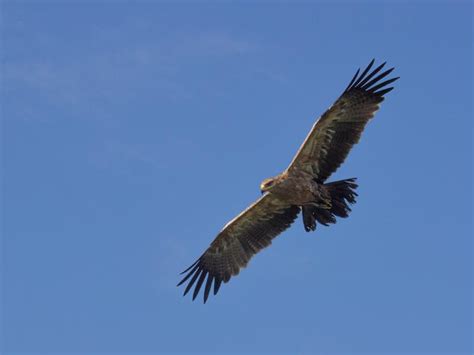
(342, 195)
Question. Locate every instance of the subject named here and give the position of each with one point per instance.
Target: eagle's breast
(296, 189)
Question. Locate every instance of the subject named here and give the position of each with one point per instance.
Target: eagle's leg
(309, 220)
(324, 210)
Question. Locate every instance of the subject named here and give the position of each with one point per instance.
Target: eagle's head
(267, 184)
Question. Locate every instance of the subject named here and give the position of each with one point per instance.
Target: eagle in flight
(302, 187)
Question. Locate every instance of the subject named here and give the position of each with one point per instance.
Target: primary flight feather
(301, 187)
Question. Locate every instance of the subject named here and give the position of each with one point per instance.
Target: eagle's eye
(266, 184)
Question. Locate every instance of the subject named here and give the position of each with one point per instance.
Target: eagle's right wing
(340, 127)
(238, 241)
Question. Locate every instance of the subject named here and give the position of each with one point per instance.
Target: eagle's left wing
(340, 127)
(238, 241)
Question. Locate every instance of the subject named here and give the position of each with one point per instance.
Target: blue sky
(133, 131)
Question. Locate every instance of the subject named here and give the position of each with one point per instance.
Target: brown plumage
(301, 187)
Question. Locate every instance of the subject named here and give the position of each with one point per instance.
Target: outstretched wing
(238, 241)
(340, 127)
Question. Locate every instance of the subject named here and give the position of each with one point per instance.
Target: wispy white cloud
(215, 44)
(94, 80)
(115, 154)
(101, 75)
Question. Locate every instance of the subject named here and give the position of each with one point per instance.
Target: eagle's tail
(342, 194)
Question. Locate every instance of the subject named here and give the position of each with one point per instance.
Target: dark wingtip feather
(364, 73)
(197, 272)
(217, 285)
(381, 85)
(193, 280)
(376, 79)
(371, 75)
(189, 268)
(199, 284)
(352, 81)
(384, 91)
(208, 287)
(189, 274)
(368, 79)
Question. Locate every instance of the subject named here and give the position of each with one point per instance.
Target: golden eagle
(301, 187)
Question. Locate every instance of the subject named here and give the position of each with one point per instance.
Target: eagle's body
(296, 188)
(302, 187)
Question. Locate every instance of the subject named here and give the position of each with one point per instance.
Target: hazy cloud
(100, 75)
